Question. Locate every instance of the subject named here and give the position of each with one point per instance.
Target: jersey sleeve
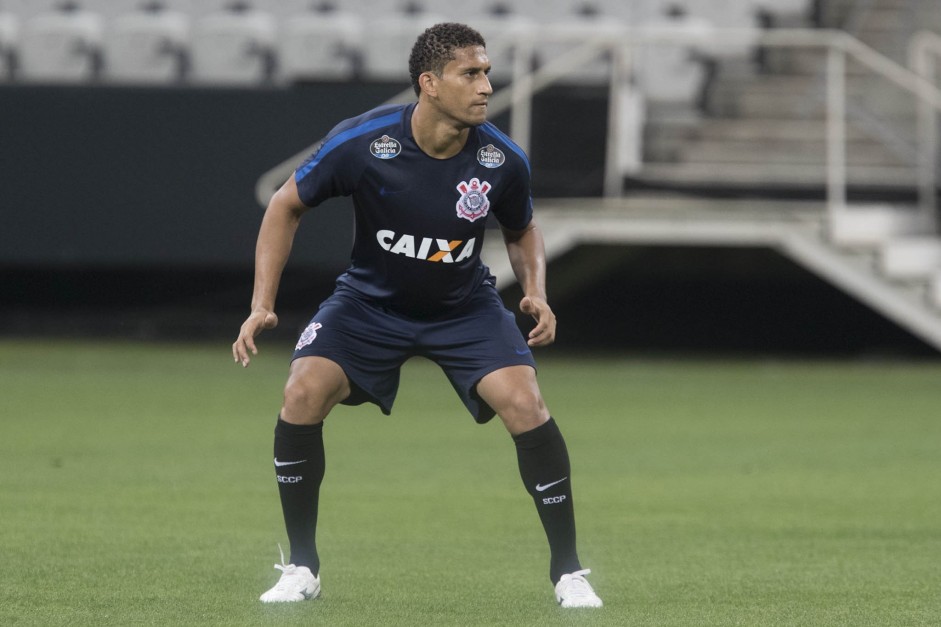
(325, 174)
(515, 209)
(337, 165)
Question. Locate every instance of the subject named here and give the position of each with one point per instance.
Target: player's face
(464, 89)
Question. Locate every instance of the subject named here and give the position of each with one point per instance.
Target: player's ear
(428, 83)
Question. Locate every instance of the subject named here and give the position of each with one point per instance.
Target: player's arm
(275, 238)
(527, 253)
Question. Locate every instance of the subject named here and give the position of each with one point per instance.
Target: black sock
(544, 467)
(299, 466)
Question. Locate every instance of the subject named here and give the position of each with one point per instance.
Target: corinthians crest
(473, 203)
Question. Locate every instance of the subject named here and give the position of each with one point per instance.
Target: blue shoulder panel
(493, 131)
(345, 136)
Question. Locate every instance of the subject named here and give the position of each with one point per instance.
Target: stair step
(934, 290)
(910, 258)
(885, 18)
(872, 225)
(785, 152)
(770, 129)
(878, 98)
(796, 176)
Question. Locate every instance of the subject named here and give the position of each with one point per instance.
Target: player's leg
(546, 472)
(315, 385)
(542, 455)
(336, 360)
(490, 366)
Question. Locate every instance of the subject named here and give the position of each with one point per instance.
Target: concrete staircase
(767, 131)
(877, 254)
(886, 25)
(761, 134)
(763, 122)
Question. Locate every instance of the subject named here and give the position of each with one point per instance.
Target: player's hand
(257, 321)
(543, 333)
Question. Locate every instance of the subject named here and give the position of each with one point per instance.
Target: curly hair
(435, 47)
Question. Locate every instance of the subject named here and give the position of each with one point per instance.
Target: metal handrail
(619, 43)
(923, 49)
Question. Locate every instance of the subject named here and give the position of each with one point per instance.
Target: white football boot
(297, 583)
(574, 591)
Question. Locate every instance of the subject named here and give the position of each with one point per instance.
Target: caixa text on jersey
(428, 248)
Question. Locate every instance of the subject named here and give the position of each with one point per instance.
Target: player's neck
(438, 137)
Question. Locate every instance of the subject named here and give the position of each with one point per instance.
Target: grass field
(136, 487)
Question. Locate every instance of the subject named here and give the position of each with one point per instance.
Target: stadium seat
(25, 9)
(727, 14)
(577, 30)
(235, 46)
(673, 72)
(357, 7)
(501, 33)
(545, 11)
(203, 8)
(148, 46)
(62, 46)
(626, 12)
(783, 8)
(388, 43)
(320, 45)
(9, 42)
(186, 7)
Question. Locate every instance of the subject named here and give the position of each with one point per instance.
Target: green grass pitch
(136, 487)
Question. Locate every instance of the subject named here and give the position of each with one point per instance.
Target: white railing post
(521, 92)
(620, 80)
(922, 52)
(836, 130)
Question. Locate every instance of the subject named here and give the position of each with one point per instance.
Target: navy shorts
(371, 343)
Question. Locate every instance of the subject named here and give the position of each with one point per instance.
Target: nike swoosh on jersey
(543, 488)
(279, 464)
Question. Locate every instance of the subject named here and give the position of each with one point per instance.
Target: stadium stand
(503, 32)
(389, 40)
(9, 40)
(62, 45)
(231, 41)
(702, 114)
(150, 45)
(234, 46)
(320, 43)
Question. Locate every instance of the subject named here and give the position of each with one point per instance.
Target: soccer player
(424, 177)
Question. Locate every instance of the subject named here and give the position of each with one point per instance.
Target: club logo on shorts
(308, 336)
(473, 203)
(385, 148)
(490, 156)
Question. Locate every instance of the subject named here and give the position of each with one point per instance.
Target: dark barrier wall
(157, 177)
(166, 177)
(131, 212)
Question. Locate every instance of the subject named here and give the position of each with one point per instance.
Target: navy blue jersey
(420, 221)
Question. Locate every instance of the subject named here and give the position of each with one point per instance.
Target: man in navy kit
(423, 178)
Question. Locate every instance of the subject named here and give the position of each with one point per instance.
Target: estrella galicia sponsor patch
(490, 156)
(308, 336)
(473, 203)
(385, 148)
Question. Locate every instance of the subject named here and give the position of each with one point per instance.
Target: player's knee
(314, 387)
(524, 408)
(305, 403)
